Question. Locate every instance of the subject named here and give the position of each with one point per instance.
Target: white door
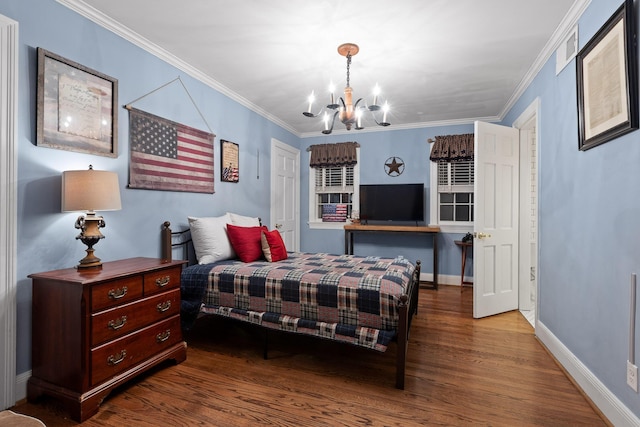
(495, 252)
(285, 193)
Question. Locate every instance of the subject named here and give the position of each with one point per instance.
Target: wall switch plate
(632, 376)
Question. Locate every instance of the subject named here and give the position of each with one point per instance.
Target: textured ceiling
(435, 60)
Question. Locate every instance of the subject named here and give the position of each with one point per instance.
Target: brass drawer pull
(117, 293)
(161, 282)
(117, 324)
(163, 306)
(113, 360)
(163, 336)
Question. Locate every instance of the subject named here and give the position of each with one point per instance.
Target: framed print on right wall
(607, 81)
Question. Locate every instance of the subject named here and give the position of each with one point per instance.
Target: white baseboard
(443, 279)
(21, 385)
(612, 408)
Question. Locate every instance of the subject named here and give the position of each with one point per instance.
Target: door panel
(285, 190)
(495, 267)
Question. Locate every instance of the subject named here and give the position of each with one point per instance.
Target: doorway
(506, 194)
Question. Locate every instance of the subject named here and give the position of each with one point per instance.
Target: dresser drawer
(162, 280)
(116, 322)
(117, 356)
(110, 294)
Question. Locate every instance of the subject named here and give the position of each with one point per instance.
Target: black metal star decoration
(394, 166)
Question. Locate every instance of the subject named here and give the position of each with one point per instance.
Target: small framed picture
(607, 81)
(76, 107)
(229, 161)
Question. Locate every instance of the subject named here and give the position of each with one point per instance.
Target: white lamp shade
(90, 190)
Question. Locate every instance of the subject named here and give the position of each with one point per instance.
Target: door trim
(523, 122)
(8, 201)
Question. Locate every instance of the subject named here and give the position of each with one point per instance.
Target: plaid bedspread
(347, 298)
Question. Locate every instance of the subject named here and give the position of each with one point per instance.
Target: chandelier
(348, 113)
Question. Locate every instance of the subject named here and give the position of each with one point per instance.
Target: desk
(351, 229)
(464, 246)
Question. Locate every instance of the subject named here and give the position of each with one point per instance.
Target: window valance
(452, 148)
(339, 154)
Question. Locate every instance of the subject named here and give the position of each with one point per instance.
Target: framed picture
(76, 107)
(229, 161)
(607, 81)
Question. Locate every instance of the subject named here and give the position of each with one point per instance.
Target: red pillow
(272, 246)
(246, 241)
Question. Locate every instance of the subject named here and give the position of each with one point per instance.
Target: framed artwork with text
(607, 81)
(76, 107)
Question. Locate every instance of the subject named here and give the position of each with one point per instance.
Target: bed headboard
(170, 240)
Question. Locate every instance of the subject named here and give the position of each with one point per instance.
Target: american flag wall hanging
(166, 155)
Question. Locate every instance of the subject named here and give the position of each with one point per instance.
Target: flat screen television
(392, 202)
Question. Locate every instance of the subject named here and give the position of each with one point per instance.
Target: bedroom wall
(588, 228)
(46, 237)
(375, 148)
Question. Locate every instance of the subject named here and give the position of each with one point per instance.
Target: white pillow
(210, 239)
(244, 221)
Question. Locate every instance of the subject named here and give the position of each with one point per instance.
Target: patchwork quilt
(347, 298)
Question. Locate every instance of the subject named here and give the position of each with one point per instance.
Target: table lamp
(90, 191)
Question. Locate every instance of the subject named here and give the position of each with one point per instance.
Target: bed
(360, 300)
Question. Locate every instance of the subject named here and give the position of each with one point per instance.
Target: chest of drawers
(92, 330)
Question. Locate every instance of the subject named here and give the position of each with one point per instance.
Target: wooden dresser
(95, 329)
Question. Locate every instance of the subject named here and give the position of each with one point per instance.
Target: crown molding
(567, 24)
(126, 33)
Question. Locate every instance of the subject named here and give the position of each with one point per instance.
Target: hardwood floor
(460, 371)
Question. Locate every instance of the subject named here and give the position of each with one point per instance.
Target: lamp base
(90, 235)
(90, 261)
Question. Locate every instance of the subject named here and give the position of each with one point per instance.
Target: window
(452, 195)
(333, 195)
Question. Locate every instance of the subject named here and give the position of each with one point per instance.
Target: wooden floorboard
(460, 371)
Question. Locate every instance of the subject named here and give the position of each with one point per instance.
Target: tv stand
(351, 229)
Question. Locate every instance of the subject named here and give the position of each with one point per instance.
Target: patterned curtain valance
(452, 148)
(327, 155)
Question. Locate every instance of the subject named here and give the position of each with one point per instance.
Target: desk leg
(346, 242)
(350, 243)
(435, 260)
(464, 262)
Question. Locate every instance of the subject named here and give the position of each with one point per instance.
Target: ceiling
(436, 61)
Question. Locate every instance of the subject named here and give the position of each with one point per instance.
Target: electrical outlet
(632, 376)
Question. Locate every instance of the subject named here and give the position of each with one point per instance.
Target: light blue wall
(46, 237)
(375, 148)
(589, 224)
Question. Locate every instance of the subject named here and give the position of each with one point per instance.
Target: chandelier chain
(348, 67)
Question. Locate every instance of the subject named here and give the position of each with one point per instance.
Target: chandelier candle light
(348, 113)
